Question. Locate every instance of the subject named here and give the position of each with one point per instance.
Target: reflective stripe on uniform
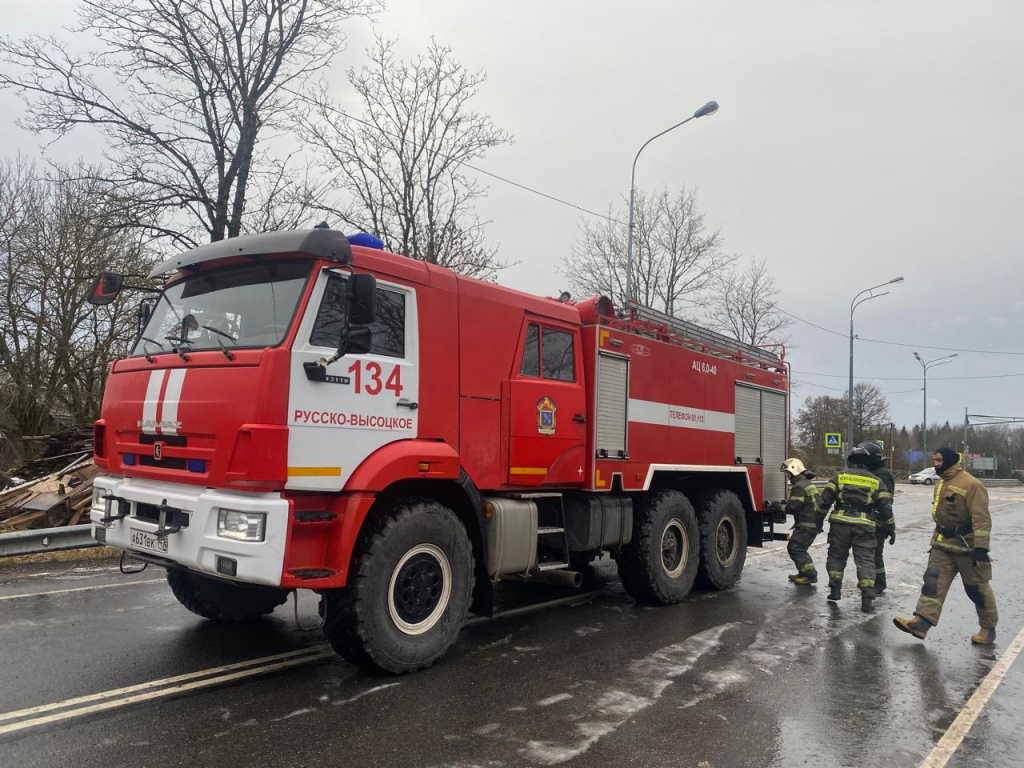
(865, 582)
(958, 491)
(935, 501)
(839, 517)
(864, 482)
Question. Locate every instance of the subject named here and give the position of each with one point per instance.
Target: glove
(892, 536)
(821, 525)
(981, 556)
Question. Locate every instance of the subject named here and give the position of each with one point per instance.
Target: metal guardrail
(46, 540)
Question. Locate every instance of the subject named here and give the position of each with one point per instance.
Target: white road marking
(294, 659)
(958, 730)
(83, 589)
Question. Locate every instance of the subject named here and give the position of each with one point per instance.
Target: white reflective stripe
(669, 415)
(169, 411)
(149, 405)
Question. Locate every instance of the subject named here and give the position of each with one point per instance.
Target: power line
(517, 184)
(843, 390)
(913, 378)
(898, 343)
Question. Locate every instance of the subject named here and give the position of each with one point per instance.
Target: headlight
(243, 526)
(98, 504)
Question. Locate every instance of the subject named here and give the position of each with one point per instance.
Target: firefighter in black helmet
(886, 528)
(860, 500)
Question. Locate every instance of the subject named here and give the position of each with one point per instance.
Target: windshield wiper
(225, 350)
(149, 357)
(177, 348)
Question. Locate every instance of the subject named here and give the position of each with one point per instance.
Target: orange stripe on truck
(314, 471)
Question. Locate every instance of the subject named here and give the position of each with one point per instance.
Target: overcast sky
(856, 141)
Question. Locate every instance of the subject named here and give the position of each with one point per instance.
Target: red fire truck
(304, 410)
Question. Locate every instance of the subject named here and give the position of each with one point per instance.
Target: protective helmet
(794, 467)
(859, 455)
(874, 449)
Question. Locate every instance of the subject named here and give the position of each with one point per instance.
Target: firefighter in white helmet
(807, 520)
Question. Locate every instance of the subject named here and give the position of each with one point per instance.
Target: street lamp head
(917, 356)
(708, 109)
(897, 279)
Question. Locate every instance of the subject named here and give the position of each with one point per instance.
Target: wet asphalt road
(765, 674)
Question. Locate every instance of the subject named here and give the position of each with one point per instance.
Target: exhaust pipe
(560, 578)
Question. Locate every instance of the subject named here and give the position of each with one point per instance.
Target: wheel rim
(675, 548)
(420, 589)
(727, 542)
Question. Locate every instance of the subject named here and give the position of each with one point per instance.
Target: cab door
(367, 401)
(547, 408)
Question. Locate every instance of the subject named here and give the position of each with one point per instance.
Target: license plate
(143, 540)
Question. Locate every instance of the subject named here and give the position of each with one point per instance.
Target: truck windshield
(246, 305)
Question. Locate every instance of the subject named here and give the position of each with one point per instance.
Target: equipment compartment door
(547, 408)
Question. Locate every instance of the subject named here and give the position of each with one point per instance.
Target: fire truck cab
(303, 410)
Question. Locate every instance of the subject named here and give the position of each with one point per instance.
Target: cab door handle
(403, 403)
(579, 418)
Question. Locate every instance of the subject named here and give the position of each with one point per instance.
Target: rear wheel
(723, 539)
(659, 564)
(221, 600)
(409, 590)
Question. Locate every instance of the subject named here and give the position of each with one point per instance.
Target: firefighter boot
(835, 592)
(811, 577)
(918, 627)
(985, 636)
(867, 601)
(795, 576)
(880, 584)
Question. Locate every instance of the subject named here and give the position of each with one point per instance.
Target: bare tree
(817, 416)
(55, 235)
(870, 408)
(402, 163)
(675, 258)
(747, 309)
(183, 91)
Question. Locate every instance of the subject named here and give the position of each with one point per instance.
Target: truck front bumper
(129, 524)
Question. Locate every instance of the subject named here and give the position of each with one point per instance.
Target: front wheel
(221, 600)
(928, 481)
(409, 590)
(659, 564)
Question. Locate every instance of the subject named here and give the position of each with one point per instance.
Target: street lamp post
(857, 301)
(708, 109)
(924, 387)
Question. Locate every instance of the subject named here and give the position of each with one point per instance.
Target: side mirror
(362, 292)
(358, 343)
(359, 340)
(143, 312)
(106, 288)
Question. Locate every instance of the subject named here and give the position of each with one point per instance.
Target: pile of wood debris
(56, 487)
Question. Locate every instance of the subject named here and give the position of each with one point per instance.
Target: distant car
(926, 476)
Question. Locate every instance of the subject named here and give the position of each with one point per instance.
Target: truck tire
(221, 600)
(659, 564)
(723, 539)
(408, 592)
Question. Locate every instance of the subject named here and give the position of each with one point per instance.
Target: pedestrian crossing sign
(832, 439)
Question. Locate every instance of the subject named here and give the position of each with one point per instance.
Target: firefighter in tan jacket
(960, 544)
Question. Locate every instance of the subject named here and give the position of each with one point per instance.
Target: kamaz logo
(640, 350)
(158, 451)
